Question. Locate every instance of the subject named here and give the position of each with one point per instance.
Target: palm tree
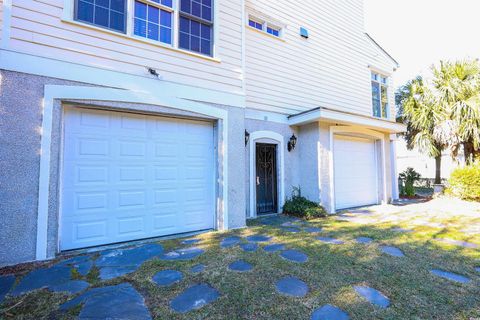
(422, 112)
(457, 85)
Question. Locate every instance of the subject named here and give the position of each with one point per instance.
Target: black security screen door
(266, 164)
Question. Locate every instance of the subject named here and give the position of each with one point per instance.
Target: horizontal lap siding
(330, 69)
(37, 28)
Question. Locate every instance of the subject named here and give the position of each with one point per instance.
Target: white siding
(330, 69)
(37, 29)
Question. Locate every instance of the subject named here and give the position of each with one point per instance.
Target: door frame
(378, 138)
(271, 138)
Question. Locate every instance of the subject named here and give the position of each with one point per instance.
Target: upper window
(110, 14)
(155, 20)
(380, 95)
(196, 26)
(264, 26)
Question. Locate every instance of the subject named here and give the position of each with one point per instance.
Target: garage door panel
(355, 172)
(131, 182)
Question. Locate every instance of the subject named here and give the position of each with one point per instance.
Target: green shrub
(409, 177)
(465, 182)
(301, 207)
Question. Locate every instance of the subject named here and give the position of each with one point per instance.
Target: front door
(266, 166)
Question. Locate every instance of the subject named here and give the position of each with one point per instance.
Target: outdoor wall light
(247, 137)
(292, 143)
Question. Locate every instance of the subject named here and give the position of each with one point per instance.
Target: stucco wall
(309, 167)
(20, 127)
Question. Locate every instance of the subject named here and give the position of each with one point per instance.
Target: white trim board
(323, 114)
(279, 140)
(30, 64)
(55, 92)
(6, 23)
(362, 132)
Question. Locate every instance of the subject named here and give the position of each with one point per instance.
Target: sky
(419, 33)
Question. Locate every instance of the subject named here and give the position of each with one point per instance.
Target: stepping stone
(190, 241)
(74, 261)
(240, 266)
(6, 283)
(182, 254)
(450, 276)
(119, 262)
(198, 268)
(373, 296)
(113, 302)
(42, 278)
(291, 286)
(313, 229)
(458, 243)
(167, 277)
(288, 224)
(291, 229)
(259, 238)
(72, 287)
(329, 312)
(364, 240)
(84, 267)
(194, 298)
(394, 252)
(294, 256)
(249, 247)
(271, 221)
(82, 264)
(330, 240)
(402, 230)
(230, 242)
(274, 247)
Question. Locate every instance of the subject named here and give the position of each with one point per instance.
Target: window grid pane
(376, 99)
(108, 14)
(152, 23)
(195, 28)
(273, 31)
(198, 8)
(255, 24)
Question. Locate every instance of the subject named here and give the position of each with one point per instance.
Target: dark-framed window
(109, 14)
(195, 32)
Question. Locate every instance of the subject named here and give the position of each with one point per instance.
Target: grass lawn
(330, 272)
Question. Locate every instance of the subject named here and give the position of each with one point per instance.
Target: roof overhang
(329, 115)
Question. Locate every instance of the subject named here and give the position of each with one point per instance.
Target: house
(132, 119)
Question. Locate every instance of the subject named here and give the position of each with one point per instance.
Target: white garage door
(128, 176)
(355, 172)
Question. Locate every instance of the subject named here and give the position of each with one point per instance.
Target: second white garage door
(355, 172)
(128, 176)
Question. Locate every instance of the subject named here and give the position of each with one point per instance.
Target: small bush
(409, 177)
(465, 182)
(301, 207)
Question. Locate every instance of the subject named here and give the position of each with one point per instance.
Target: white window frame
(380, 85)
(266, 23)
(68, 16)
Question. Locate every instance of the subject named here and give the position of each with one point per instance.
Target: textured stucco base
(20, 126)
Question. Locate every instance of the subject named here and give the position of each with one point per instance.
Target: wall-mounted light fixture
(292, 143)
(247, 137)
